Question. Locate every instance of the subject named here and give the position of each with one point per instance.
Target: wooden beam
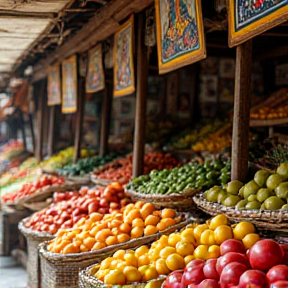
(23, 132)
(40, 120)
(32, 132)
(240, 137)
(105, 120)
(79, 118)
(271, 53)
(51, 131)
(141, 93)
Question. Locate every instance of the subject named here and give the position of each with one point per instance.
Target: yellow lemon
(222, 233)
(207, 237)
(250, 239)
(218, 220)
(175, 262)
(184, 248)
(201, 252)
(241, 229)
(213, 251)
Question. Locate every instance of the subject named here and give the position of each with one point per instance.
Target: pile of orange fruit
(99, 231)
(173, 252)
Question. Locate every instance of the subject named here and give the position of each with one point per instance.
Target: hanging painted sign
(180, 33)
(124, 82)
(54, 85)
(249, 18)
(69, 85)
(95, 80)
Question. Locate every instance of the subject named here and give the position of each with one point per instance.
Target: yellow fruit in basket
(137, 232)
(161, 267)
(133, 214)
(143, 260)
(154, 254)
(168, 213)
(132, 274)
(89, 242)
(165, 223)
(98, 246)
(150, 274)
(102, 235)
(101, 274)
(138, 222)
(83, 248)
(222, 233)
(94, 217)
(175, 262)
(142, 269)
(111, 240)
(250, 239)
(105, 264)
(201, 252)
(71, 248)
(142, 250)
(241, 229)
(121, 266)
(150, 230)
(115, 278)
(146, 210)
(131, 259)
(188, 259)
(213, 252)
(83, 235)
(198, 231)
(123, 238)
(139, 204)
(207, 237)
(165, 252)
(125, 228)
(173, 239)
(188, 232)
(151, 220)
(59, 247)
(184, 248)
(218, 220)
(163, 240)
(114, 263)
(115, 223)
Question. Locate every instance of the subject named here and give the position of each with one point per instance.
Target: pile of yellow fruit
(174, 252)
(99, 231)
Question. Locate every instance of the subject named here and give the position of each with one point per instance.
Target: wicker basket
(87, 280)
(262, 219)
(62, 271)
(99, 181)
(33, 238)
(179, 201)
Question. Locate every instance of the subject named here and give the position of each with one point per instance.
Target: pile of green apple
(267, 191)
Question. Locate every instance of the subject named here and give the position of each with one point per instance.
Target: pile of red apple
(69, 207)
(264, 265)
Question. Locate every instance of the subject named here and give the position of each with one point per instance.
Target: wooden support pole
(240, 138)
(141, 92)
(79, 118)
(32, 132)
(51, 131)
(23, 132)
(40, 121)
(105, 120)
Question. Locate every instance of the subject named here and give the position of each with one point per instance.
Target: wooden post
(240, 138)
(141, 92)
(32, 132)
(40, 121)
(22, 123)
(79, 118)
(105, 120)
(51, 131)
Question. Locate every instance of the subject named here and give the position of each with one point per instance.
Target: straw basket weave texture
(275, 220)
(62, 270)
(33, 238)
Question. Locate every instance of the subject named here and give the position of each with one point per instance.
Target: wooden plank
(40, 120)
(141, 93)
(240, 137)
(105, 120)
(51, 131)
(79, 118)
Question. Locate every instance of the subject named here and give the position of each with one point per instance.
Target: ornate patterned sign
(54, 85)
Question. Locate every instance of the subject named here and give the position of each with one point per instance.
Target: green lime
(221, 196)
(273, 181)
(253, 205)
(281, 190)
(252, 197)
(241, 204)
(250, 188)
(260, 177)
(241, 191)
(234, 186)
(273, 203)
(285, 206)
(283, 170)
(231, 200)
(263, 194)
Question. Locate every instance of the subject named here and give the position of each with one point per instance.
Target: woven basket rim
(91, 254)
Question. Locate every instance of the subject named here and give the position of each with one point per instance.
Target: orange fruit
(133, 214)
(83, 248)
(175, 262)
(94, 217)
(105, 264)
(146, 210)
(168, 213)
(137, 232)
(161, 267)
(173, 239)
(125, 228)
(218, 220)
(98, 246)
(188, 259)
(150, 230)
(207, 237)
(150, 273)
(123, 238)
(131, 259)
(184, 248)
(222, 233)
(115, 278)
(139, 204)
(152, 220)
(101, 274)
(164, 239)
(111, 240)
(71, 248)
(121, 266)
(89, 242)
(143, 260)
(198, 231)
(102, 235)
(119, 254)
(132, 274)
(114, 263)
(115, 231)
(138, 222)
(143, 268)
(115, 223)
(201, 252)
(165, 252)
(165, 223)
(213, 251)
(142, 250)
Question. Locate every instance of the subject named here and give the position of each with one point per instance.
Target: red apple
(231, 257)
(280, 284)
(277, 273)
(193, 275)
(232, 245)
(231, 274)
(194, 263)
(209, 269)
(265, 254)
(174, 277)
(209, 283)
(254, 278)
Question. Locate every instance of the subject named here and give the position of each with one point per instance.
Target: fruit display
(275, 107)
(69, 207)
(267, 191)
(31, 187)
(85, 166)
(100, 231)
(171, 253)
(263, 266)
(190, 176)
(121, 169)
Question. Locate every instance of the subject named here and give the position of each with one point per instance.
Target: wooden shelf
(267, 122)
